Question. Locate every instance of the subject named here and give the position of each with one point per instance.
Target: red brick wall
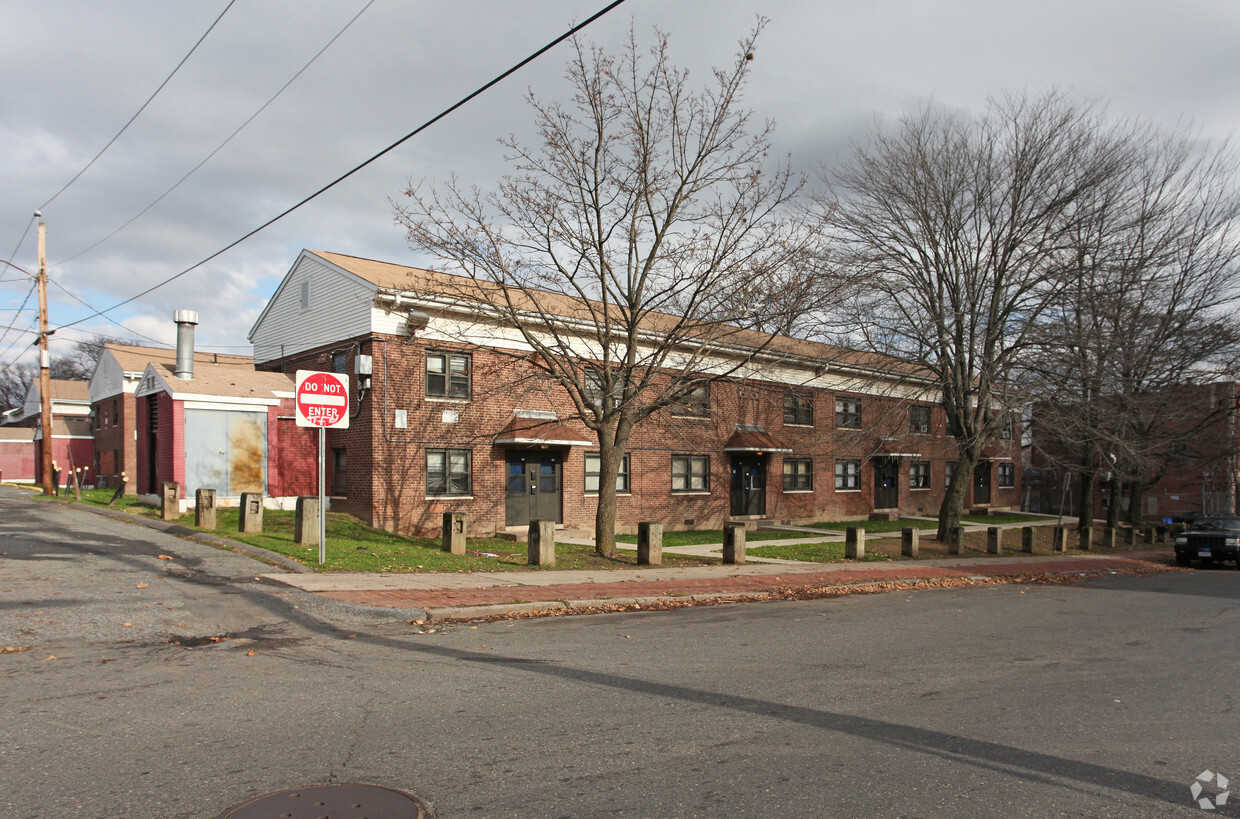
(169, 443)
(17, 459)
(386, 465)
(292, 454)
(115, 447)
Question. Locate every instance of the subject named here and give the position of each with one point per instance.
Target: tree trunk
(1089, 479)
(1115, 487)
(952, 507)
(612, 444)
(1136, 502)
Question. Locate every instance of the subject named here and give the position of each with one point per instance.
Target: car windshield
(1214, 524)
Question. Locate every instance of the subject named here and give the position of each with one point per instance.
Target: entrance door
(981, 482)
(748, 485)
(886, 483)
(534, 487)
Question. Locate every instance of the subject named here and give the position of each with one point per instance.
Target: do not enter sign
(322, 399)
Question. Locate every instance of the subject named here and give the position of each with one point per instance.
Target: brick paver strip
(435, 598)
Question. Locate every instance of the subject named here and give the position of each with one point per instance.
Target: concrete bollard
(908, 541)
(854, 543)
(994, 540)
(955, 540)
(1148, 534)
(1059, 539)
(306, 521)
(1108, 537)
(204, 508)
(649, 544)
(453, 539)
(251, 519)
(1130, 536)
(1086, 538)
(1026, 539)
(542, 543)
(734, 543)
(170, 499)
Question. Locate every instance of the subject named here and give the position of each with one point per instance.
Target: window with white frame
(695, 403)
(918, 419)
(690, 473)
(1007, 428)
(448, 375)
(798, 410)
(594, 470)
(448, 472)
(848, 413)
(919, 475)
(1007, 475)
(798, 475)
(847, 474)
(949, 472)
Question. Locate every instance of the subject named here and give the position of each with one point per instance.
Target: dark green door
(886, 483)
(981, 482)
(534, 487)
(748, 485)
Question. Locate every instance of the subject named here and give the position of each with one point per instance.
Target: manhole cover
(330, 802)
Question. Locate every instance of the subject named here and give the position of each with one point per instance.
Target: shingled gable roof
(398, 278)
(225, 381)
(133, 358)
(66, 390)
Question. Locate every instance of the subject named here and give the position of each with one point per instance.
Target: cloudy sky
(76, 71)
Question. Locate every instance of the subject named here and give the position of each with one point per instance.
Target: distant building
(117, 373)
(219, 425)
(72, 441)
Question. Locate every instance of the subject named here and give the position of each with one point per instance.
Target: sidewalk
(500, 594)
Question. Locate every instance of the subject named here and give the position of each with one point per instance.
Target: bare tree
(1153, 266)
(632, 245)
(960, 223)
(78, 365)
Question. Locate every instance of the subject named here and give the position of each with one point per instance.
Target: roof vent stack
(185, 320)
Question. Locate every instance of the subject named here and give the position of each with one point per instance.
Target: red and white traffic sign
(322, 399)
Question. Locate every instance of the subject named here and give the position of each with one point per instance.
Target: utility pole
(45, 363)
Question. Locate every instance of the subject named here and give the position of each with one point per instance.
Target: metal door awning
(529, 428)
(748, 438)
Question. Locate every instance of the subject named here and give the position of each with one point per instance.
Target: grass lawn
(354, 546)
(996, 518)
(819, 552)
(875, 525)
(706, 537)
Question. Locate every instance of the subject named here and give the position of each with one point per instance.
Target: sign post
(323, 402)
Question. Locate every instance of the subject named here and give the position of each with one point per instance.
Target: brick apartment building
(1191, 463)
(445, 418)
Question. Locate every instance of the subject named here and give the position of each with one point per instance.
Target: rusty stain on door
(247, 453)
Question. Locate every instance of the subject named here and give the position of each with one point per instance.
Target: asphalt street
(1106, 697)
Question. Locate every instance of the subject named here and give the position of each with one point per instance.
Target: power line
(569, 33)
(139, 111)
(220, 147)
(29, 293)
(107, 318)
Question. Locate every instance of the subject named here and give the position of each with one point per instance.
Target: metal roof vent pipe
(185, 319)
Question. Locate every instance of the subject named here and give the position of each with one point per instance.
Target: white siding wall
(340, 308)
(108, 379)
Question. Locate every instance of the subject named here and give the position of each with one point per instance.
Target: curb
(257, 552)
(502, 611)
